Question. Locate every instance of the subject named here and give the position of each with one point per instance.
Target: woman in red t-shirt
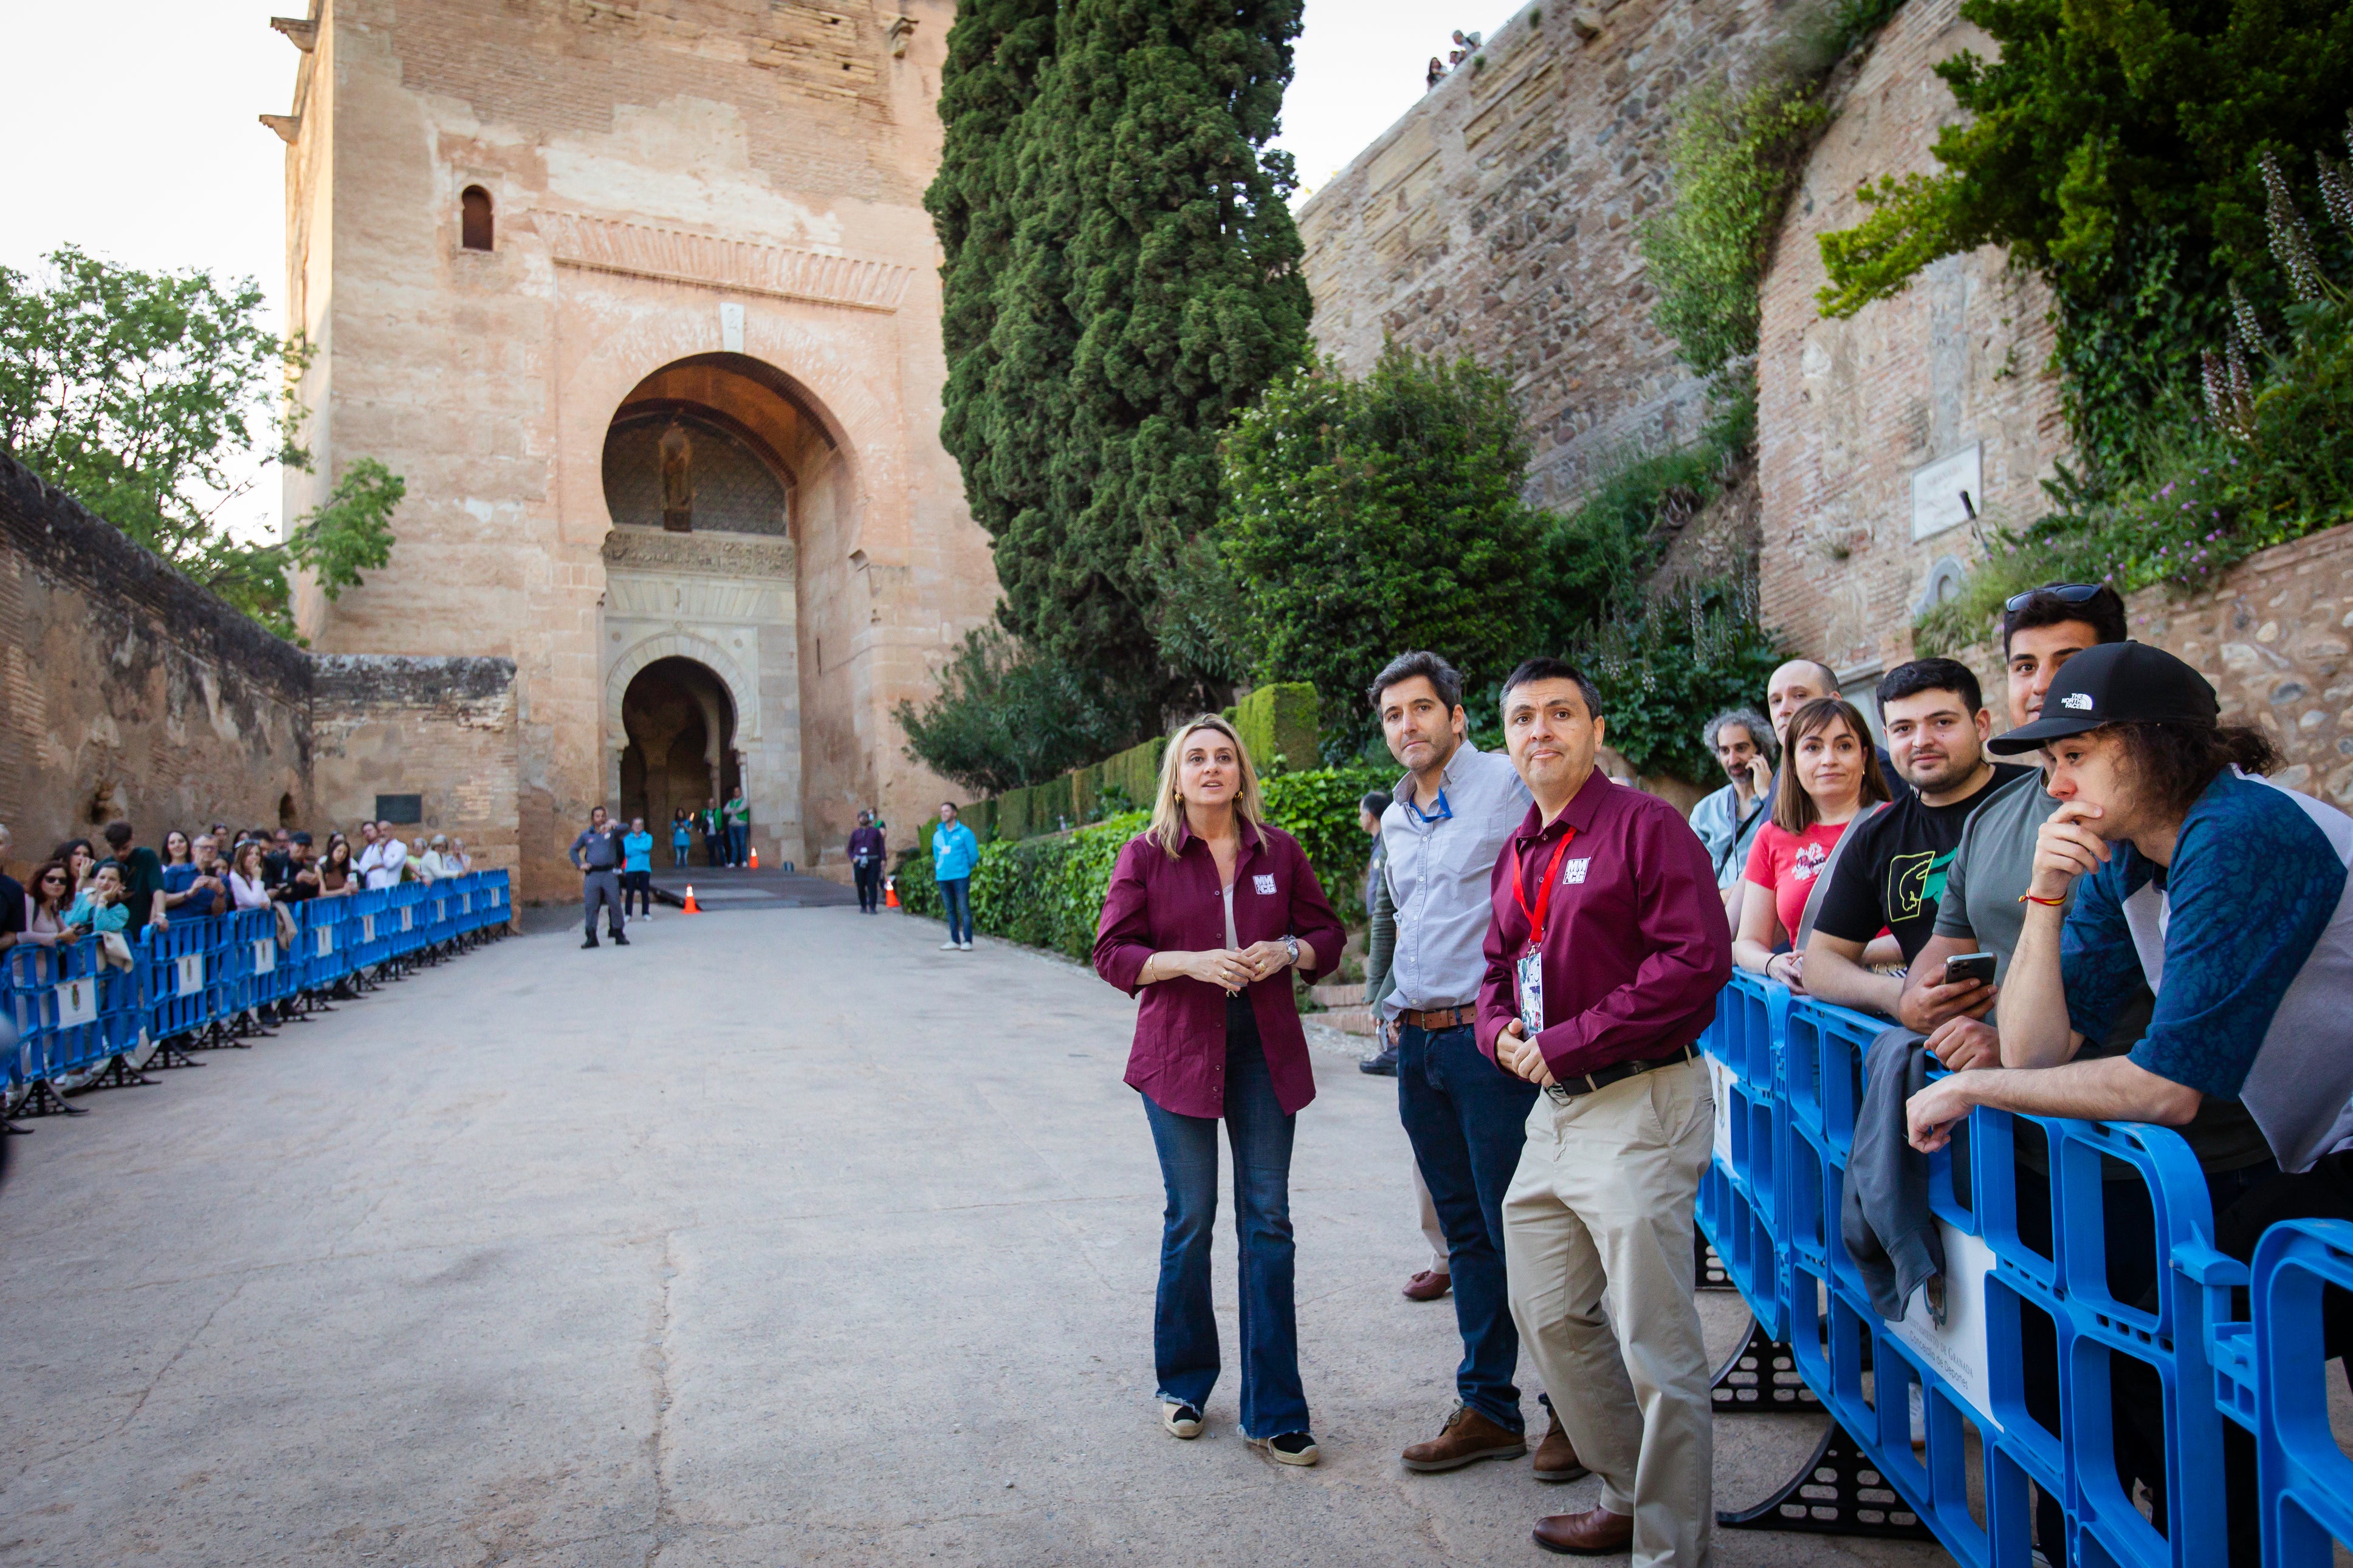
(1829, 776)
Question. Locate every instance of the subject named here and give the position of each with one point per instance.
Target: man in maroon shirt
(1597, 1222)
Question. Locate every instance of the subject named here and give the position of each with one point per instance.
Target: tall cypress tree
(996, 49)
(1150, 289)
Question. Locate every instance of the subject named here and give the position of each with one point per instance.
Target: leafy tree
(1367, 518)
(1150, 289)
(1663, 666)
(1007, 717)
(142, 395)
(2114, 148)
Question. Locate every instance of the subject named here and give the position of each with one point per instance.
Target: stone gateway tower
(642, 302)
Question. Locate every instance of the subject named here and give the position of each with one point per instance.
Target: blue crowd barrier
(2028, 1258)
(2305, 1479)
(203, 978)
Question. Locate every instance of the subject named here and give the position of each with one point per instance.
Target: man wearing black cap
(2227, 895)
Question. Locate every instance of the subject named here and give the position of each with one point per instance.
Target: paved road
(778, 1237)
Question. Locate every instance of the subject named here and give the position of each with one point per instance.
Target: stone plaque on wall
(1945, 494)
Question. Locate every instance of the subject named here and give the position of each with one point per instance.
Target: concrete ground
(777, 1236)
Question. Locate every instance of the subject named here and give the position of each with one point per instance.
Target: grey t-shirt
(1990, 867)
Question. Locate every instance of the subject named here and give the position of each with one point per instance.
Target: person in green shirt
(143, 879)
(737, 814)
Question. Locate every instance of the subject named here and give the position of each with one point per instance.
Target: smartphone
(1967, 966)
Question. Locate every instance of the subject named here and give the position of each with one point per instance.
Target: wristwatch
(1292, 944)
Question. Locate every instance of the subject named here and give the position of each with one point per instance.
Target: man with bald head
(1791, 687)
(1800, 681)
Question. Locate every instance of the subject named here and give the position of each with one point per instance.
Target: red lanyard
(1544, 891)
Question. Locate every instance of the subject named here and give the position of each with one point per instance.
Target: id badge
(1529, 975)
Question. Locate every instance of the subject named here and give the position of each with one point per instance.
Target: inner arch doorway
(682, 752)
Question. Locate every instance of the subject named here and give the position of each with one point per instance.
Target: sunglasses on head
(2065, 592)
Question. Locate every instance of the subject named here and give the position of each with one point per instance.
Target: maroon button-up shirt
(1635, 943)
(1159, 904)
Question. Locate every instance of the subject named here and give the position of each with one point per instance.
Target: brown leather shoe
(1427, 1286)
(1599, 1533)
(1466, 1437)
(1557, 1457)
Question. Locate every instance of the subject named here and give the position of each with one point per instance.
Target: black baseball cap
(2116, 683)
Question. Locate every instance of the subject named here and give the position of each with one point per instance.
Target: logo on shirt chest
(1572, 872)
(1262, 882)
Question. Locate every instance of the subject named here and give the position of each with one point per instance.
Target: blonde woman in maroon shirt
(1208, 914)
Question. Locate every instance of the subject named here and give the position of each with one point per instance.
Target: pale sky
(132, 133)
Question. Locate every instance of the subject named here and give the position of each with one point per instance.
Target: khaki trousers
(1596, 1232)
(1440, 1255)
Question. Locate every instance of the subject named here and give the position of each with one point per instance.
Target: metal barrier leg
(121, 1074)
(1708, 1272)
(1836, 1492)
(170, 1052)
(1761, 1377)
(40, 1099)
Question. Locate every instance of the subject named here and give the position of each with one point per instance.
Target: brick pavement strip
(774, 1238)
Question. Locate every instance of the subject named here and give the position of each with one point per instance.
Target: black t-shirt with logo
(1893, 872)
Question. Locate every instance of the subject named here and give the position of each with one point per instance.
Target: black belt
(1616, 1072)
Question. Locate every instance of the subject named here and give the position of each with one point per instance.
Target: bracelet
(2046, 903)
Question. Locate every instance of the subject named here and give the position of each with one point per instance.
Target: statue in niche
(678, 479)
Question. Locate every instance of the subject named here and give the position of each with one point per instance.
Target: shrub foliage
(1364, 518)
(1047, 892)
(1007, 717)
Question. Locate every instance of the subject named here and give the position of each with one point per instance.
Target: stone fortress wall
(128, 691)
(1871, 429)
(1497, 218)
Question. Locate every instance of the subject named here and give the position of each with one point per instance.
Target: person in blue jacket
(637, 868)
(955, 852)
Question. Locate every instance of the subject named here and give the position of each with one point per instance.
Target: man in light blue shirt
(954, 853)
(1726, 822)
(1448, 819)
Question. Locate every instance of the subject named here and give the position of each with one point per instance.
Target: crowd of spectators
(119, 886)
(2129, 923)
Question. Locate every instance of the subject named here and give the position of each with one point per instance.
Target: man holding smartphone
(1891, 869)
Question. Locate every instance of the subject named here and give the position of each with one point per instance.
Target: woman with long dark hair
(1830, 776)
(1209, 912)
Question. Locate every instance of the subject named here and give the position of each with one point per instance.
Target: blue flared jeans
(1184, 1327)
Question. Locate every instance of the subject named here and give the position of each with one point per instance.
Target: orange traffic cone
(691, 907)
(890, 892)
(755, 860)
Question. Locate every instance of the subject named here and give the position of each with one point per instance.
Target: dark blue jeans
(1467, 1119)
(739, 843)
(1184, 1327)
(956, 893)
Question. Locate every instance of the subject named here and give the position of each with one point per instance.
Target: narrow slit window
(474, 217)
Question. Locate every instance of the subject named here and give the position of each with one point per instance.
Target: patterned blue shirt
(2254, 885)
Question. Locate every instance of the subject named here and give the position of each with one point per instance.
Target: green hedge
(1047, 891)
(1276, 722)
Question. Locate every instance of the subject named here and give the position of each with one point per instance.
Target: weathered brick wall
(442, 729)
(2276, 636)
(1850, 411)
(1497, 218)
(129, 692)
